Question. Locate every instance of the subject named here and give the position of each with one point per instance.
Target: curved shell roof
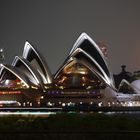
(32, 67)
(37, 61)
(15, 72)
(24, 66)
(86, 49)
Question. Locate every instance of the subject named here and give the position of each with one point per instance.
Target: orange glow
(84, 79)
(63, 79)
(10, 92)
(74, 67)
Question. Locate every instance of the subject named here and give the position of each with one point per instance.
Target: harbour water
(45, 112)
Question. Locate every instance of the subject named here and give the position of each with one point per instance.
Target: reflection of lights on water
(100, 112)
(8, 102)
(26, 113)
(72, 112)
(81, 112)
(110, 113)
(29, 111)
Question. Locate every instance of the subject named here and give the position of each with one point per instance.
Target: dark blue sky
(54, 25)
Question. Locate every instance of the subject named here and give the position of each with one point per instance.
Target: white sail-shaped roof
(38, 62)
(129, 85)
(23, 65)
(86, 49)
(6, 70)
(85, 64)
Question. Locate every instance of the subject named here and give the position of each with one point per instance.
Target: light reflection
(43, 114)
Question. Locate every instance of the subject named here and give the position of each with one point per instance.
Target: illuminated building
(87, 52)
(83, 78)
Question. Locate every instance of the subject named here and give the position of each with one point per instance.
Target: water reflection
(35, 114)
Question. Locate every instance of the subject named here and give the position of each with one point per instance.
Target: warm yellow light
(34, 87)
(42, 97)
(82, 72)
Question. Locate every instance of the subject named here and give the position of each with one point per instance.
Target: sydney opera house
(83, 78)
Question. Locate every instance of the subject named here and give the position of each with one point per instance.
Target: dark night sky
(54, 25)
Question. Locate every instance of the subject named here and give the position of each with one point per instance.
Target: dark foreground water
(71, 136)
(62, 127)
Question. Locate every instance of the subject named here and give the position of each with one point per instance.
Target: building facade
(81, 79)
